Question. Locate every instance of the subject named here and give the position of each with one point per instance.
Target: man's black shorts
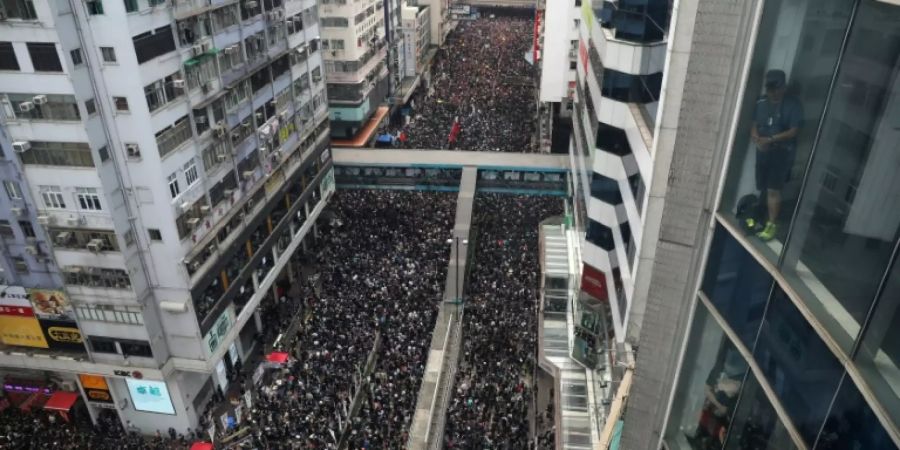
(773, 167)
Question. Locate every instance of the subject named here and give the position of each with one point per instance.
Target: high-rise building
(355, 53)
(735, 162)
(787, 337)
(163, 160)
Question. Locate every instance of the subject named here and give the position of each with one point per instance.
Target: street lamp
(456, 240)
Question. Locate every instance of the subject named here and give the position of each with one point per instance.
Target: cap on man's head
(775, 79)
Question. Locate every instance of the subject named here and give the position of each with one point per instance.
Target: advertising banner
(95, 388)
(150, 396)
(593, 283)
(219, 330)
(62, 335)
(18, 325)
(50, 304)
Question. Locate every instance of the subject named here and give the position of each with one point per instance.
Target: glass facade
(802, 271)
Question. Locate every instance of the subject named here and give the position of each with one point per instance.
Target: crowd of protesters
(481, 95)
(491, 398)
(381, 260)
(38, 430)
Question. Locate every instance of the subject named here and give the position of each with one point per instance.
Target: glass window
(755, 424)
(851, 423)
(190, 173)
(793, 63)
(878, 356)
(19, 9)
(76, 57)
(711, 378)
(174, 189)
(600, 235)
(605, 189)
(88, 199)
(109, 54)
(44, 57)
(52, 197)
(8, 59)
(737, 285)
(848, 220)
(131, 5)
(803, 372)
(13, 191)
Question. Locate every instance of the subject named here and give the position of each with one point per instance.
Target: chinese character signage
(219, 330)
(18, 325)
(62, 335)
(593, 283)
(327, 184)
(150, 396)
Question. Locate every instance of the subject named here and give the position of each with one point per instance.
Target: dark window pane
(755, 425)
(802, 371)
(605, 189)
(708, 388)
(8, 59)
(44, 57)
(851, 423)
(600, 235)
(737, 285)
(154, 43)
(101, 345)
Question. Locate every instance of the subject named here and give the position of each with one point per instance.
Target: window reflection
(708, 389)
(848, 220)
(803, 372)
(796, 51)
(756, 425)
(852, 424)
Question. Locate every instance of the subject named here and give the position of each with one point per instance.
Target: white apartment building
(558, 40)
(355, 54)
(177, 154)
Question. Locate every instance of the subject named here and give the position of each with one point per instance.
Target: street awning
(277, 357)
(201, 446)
(61, 401)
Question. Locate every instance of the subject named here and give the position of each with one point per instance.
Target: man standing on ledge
(776, 122)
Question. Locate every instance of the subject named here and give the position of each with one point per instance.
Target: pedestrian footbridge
(441, 170)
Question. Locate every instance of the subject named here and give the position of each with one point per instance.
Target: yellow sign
(21, 330)
(93, 381)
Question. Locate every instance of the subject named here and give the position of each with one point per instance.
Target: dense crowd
(491, 398)
(482, 80)
(381, 260)
(28, 431)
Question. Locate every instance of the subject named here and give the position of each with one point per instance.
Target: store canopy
(61, 401)
(201, 446)
(277, 357)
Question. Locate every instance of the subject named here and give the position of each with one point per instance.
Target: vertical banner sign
(537, 31)
(18, 324)
(583, 55)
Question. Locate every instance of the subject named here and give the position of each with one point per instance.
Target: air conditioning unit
(32, 250)
(235, 135)
(21, 146)
(246, 124)
(251, 4)
(26, 106)
(229, 192)
(73, 221)
(178, 84)
(193, 222)
(39, 99)
(44, 219)
(221, 157)
(17, 211)
(184, 206)
(196, 50)
(132, 150)
(62, 239)
(247, 174)
(95, 245)
(204, 209)
(200, 119)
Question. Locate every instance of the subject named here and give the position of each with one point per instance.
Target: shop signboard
(95, 388)
(593, 283)
(18, 324)
(50, 304)
(218, 331)
(150, 396)
(62, 335)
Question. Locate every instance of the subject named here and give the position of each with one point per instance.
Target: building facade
(176, 155)
(416, 29)
(355, 54)
(771, 317)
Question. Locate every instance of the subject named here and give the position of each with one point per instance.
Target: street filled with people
(482, 95)
(381, 261)
(491, 398)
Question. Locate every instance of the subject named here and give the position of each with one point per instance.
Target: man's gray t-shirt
(773, 118)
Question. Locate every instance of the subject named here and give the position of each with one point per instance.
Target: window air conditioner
(178, 84)
(32, 250)
(26, 106)
(44, 220)
(62, 239)
(251, 4)
(21, 146)
(17, 211)
(193, 222)
(95, 245)
(39, 99)
(247, 174)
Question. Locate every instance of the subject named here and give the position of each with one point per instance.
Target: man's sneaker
(768, 233)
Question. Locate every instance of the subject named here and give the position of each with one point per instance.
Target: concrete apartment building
(162, 162)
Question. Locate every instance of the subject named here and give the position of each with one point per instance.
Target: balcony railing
(173, 137)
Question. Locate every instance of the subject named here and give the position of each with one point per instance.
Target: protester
(481, 78)
(489, 408)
